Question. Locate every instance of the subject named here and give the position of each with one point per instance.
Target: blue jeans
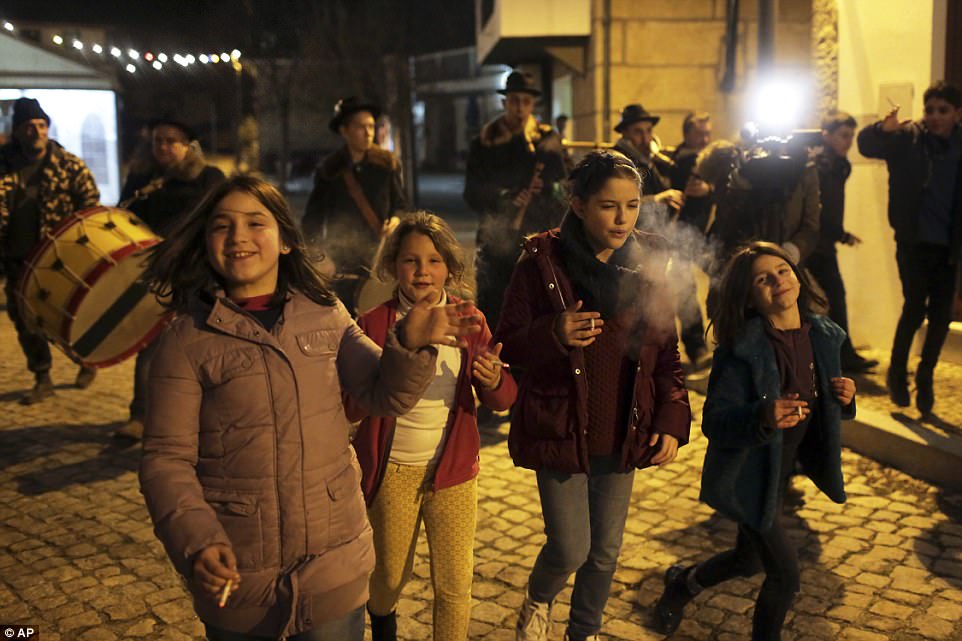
(584, 519)
(350, 627)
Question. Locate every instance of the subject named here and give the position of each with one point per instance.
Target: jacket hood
(496, 132)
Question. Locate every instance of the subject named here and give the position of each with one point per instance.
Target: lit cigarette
(225, 593)
(501, 364)
(894, 106)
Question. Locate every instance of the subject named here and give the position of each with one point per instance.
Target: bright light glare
(191, 59)
(162, 57)
(96, 48)
(224, 57)
(133, 53)
(58, 39)
(235, 54)
(157, 65)
(8, 25)
(777, 106)
(116, 52)
(79, 46)
(204, 59)
(131, 68)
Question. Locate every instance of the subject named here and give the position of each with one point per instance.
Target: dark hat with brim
(520, 82)
(26, 109)
(347, 107)
(173, 122)
(635, 113)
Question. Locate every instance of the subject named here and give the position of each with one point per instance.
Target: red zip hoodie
(459, 457)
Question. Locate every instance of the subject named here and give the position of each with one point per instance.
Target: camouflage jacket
(66, 186)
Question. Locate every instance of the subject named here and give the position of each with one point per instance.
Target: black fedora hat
(347, 107)
(170, 121)
(635, 113)
(520, 82)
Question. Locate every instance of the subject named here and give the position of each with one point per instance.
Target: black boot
(383, 628)
(42, 388)
(924, 392)
(678, 592)
(898, 384)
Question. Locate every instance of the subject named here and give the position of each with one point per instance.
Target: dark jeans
(34, 346)
(689, 312)
(348, 628)
(928, 288)
(824, 268)
(755, 551)
(584, 520)
(498, 251)
(138, 404)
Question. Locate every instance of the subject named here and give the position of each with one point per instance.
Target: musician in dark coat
(357, 196)
(515, 182)
(172, 179)
(160, 188)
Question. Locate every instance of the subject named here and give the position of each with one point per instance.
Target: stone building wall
(670, 56)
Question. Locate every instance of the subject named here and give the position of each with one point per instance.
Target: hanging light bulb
(131, 68)
(157, 65)
(96, 48)
(57, 39)
(79, 46)
(116, 52)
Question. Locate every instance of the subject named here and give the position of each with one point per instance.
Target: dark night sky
(220, 23)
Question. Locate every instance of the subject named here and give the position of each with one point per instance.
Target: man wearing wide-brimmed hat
(357, 196)
(40, 184)
(637, 137)
(514, 181)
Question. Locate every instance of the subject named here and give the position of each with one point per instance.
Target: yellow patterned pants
(450, 517)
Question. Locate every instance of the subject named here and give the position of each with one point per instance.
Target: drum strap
(357, 195)
(106, 324)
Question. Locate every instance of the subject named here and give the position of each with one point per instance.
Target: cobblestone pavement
(79, 560)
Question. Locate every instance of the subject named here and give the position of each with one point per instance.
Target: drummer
(40, 184)
(161, 186)
(356, 199)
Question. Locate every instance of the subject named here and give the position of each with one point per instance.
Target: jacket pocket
(239, 515)
(320, 342)
(348, 514)
(547, 414)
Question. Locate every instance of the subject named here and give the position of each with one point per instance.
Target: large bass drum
(81, 287)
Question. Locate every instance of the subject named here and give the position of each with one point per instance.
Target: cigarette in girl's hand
(225, 593)
(500, 364)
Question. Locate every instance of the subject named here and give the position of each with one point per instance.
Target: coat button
(550, 285)
(534, 250)
(577, 371)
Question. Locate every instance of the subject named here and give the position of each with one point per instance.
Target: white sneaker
(534, 622)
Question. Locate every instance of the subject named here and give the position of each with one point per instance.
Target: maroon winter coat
(459, 459)
(549, 426)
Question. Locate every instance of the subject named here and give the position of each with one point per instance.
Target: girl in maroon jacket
(589, 317)
(247, 469)
(424, 464)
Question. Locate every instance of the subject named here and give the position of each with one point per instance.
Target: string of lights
(133, 60)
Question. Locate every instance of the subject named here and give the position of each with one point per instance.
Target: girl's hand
(428, 324)
(487, 368)
(667, 450)
(785, 412)
(844, 389)
(213, 567)
(577, 329)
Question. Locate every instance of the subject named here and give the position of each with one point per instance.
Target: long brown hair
(732, 309)
(179, 268)
(440, 233)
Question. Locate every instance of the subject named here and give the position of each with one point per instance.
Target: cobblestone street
(78, 558)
